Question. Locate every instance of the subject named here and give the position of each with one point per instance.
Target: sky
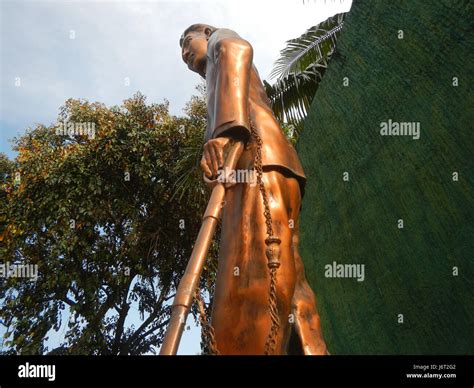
(108, 50)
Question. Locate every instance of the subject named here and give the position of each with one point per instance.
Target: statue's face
(194, 51)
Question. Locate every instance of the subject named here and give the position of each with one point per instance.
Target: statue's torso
(277, 150)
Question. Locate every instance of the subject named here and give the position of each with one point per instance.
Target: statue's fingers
(214, 160)
(220, 154)
(205, 168)
(208, 157)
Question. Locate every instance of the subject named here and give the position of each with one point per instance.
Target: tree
(107, 207)
(299, 70)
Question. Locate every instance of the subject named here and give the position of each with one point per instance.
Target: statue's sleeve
(232, 57)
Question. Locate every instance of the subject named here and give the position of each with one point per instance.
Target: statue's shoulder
(222, 33)
(217, 36)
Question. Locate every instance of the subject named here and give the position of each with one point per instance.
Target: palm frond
(188, 172)
(316, 43)
(291, 97)
(300, 69)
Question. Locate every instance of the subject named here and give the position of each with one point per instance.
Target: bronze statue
(262, 303)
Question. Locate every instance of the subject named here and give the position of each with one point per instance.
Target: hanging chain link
(272, 253)
(206, 327)
(272, 250)
(259, 170)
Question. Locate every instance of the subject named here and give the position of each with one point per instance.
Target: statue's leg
(240, 314)
(307, 321)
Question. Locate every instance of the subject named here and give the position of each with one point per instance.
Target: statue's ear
(208, 32)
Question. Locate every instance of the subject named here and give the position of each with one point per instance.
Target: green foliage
(408, 271)
(299, 70)
(100, 216)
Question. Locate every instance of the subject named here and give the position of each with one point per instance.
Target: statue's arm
(233, 57)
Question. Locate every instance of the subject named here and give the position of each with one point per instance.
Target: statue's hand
(213, 156)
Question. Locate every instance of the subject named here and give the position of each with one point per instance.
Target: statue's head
(193, 44)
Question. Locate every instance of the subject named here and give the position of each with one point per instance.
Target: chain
(272, 250)
(206, 327)
(259, 170)
(272, 253)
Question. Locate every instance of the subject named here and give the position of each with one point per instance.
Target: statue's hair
(198, 27)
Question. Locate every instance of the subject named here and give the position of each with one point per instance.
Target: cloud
(118, 39)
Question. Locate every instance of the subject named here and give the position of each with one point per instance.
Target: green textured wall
(408, 271)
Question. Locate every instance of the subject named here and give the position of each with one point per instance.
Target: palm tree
(299, 70)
